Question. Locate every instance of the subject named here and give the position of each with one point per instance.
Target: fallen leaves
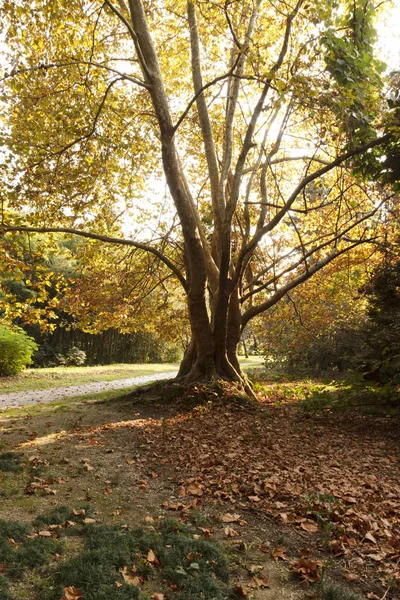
(43, 485)
(130, 576)
(151, 558)
(230, 532)
(195, 489)
(308, 569)
(44, 534)
(259, 582)
(309, 525)
(279, 553)
(293, 470)
(71, 593)
(230, 518)
(240, 590)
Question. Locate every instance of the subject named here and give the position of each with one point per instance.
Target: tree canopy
(243, 146)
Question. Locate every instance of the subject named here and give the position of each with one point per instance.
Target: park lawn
(62, 458)
(42, 379)
(295, 494)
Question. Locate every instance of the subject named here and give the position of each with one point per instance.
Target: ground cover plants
(109, 562)
(295, 503)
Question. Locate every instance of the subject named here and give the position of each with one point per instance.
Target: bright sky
(388, 29)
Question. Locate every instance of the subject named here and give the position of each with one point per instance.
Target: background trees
(251, 117)
(70, 293)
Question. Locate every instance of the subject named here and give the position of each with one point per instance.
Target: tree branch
(202, 111)
(253, 311)
(102, 238)
(246, 252)
(248, 139)
(72, 63)
(200, 92)
(132, 33)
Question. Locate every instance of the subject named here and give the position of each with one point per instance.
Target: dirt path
(12, 400)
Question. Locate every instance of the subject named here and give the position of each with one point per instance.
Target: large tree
(255, 115)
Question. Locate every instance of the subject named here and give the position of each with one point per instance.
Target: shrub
(16, 349)
(48, 356)
(75, 357)
(382, 348)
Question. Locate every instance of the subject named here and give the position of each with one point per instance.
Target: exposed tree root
(181, 391)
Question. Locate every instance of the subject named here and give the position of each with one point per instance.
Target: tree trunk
(212, 353)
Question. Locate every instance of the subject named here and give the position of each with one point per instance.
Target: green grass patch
(170, 558)
(21, 553)
(195, 568)
(62, 514)
(10, 461)
(334, 395)
(333, 591)
(344, 395)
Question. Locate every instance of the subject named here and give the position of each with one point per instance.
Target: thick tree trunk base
(187, 394)
(212, 369)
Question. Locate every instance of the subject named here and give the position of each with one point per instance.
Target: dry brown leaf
(44, 534)
(89, 521)
(309, 525)
(230, 518)
(71, 593)
(149, 519)
(240, 590)
(378, 557)
(308, 569)
(158, 596)
(259, 582)
(351, 576)
(279, 552)
(195, 489)
(252, 569)
(130, 576)
(230, 532)
(152, 558)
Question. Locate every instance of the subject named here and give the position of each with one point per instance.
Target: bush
(382, 349)
(48, 356)
(76, 357)
(16, 349)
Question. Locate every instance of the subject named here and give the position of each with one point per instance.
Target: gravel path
(15, 399)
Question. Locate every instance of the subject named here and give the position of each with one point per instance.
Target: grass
(168, 557)
(10, 461)
(53, 442)
(315, 395)
(349, 395)
(41, 379)
(333, 591)
(21, 553)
